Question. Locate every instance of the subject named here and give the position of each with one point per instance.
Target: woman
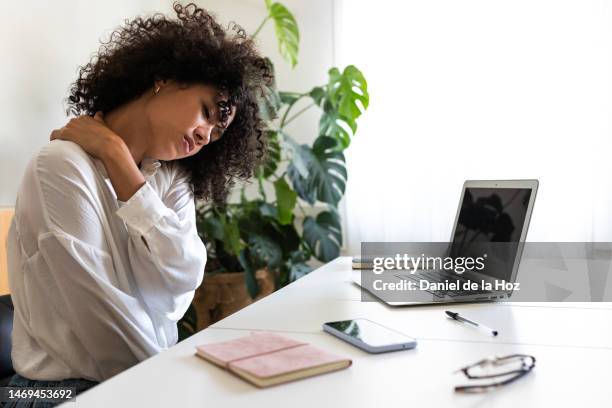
(104, 256)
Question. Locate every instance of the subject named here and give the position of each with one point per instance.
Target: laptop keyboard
(437, 276)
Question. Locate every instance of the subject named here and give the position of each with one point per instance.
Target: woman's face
(183, 119)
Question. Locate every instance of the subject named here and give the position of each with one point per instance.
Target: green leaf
(268, 210)
(273, 155)
(337, 127)
(287, 237)
(298, 270)
(270, 102)
(298, 256)
(348, 91)
(298, 160)
(231, 235)
(264, 221)
(285, 201)
(213, 227)
(264, 251)
(289, 98)
(345, 99)
(324, 235)
(249, 273)
(317, 94)
(287, 32)
(327, 175)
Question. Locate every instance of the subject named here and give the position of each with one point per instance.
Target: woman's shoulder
(55, 172)
(62, 157)
(62, 151)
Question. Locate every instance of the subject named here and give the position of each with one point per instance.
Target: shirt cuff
(143, 210)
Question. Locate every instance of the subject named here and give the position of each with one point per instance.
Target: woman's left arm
(165, 251)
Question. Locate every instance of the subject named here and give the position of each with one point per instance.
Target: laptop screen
(488, 216)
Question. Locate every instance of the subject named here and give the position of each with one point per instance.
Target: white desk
(571, 342)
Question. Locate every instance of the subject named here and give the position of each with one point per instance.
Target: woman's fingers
(90, 133)
(55, 134)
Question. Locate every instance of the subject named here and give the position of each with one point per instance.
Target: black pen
(463, 319)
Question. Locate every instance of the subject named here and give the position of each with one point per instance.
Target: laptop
(491, 213)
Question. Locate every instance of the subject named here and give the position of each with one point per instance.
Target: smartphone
(369, 336)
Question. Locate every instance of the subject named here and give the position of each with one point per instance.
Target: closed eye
(220, 128)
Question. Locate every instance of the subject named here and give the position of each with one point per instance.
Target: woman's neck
(128, 122)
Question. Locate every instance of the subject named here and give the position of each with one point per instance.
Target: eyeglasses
(495, 372)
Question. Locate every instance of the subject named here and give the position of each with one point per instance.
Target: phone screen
(369, 332)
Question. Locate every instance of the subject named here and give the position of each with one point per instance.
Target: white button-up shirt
(98, 284)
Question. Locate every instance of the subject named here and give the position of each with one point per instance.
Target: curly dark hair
(194, 48)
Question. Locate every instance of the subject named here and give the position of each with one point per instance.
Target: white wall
(479, 89)
(42, 43)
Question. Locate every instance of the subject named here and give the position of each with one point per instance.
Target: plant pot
(222, 294)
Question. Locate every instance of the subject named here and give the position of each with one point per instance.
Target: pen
(463, 319)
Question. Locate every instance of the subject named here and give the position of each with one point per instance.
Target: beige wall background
(43, 43)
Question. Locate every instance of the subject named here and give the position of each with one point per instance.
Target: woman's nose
(202, 135)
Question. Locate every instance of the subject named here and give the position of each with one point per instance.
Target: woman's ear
(160, 83)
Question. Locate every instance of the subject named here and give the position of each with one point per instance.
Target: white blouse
(98, 284)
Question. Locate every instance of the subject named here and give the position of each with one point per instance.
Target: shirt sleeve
(166, 253)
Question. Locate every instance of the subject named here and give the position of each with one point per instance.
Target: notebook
(266, 359)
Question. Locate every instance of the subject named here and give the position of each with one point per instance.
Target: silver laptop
(504, 207)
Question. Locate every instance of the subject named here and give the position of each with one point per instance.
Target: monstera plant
(278, 232)
(300, 221)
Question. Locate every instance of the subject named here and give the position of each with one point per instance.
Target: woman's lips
(188, 144)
